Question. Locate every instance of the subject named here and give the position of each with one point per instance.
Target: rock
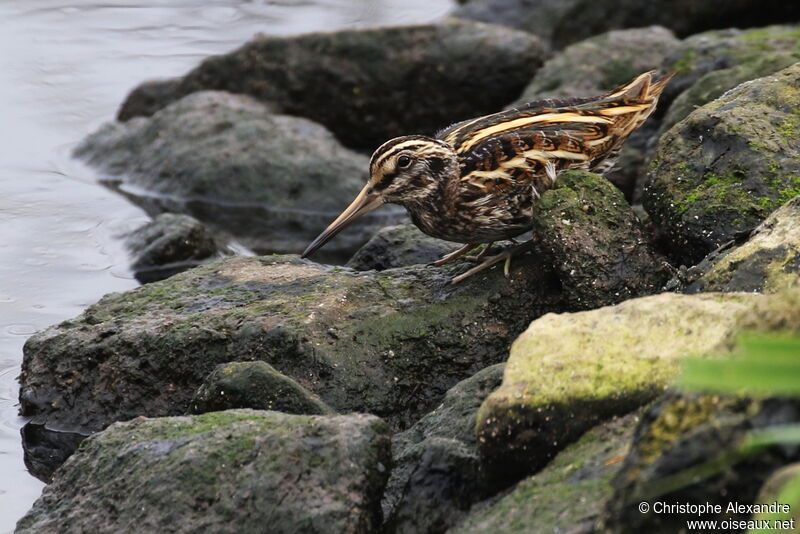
(768, 262)
(234, 471)
(688, 436)
(171, 244)
(721, 171)
(534, 16)
(595, 243)
(569, 372)
(711, 63)
(254, 385)
(399, 246)
(272, 181)
(436, 475)
(370, 85)
(601, 63)
(565, 495)
(685, 17)
(389, 343)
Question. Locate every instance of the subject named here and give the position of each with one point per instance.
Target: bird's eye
(404, 161)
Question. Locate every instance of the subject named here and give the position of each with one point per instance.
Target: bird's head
(406, 170)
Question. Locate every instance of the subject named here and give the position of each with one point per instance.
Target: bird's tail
(644, 89)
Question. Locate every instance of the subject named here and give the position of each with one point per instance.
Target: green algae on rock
(228, 472)
(389, 343)
(721, 171)
(255, 385)
(595, 243)
(568, 372)
(354, 82)
(768, 262)
(570, 492)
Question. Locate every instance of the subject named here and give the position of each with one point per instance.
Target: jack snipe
(477, 181)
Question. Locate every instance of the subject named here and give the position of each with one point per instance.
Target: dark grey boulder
(370, 85)
(272, 181)
(721, 171)
(684, 17)
(254, 385)
(238, 471)
(171, 244)
(399, 246)
(436, 475)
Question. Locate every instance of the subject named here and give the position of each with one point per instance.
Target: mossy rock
(369, 85)
(255, 385)
(678, 456)
(389, 343)
(711, 63)
(228, 472)
(595, 242)
(689, 436)
(566, 495)
(568, 372)
(272, 181)
(721, 171)
(768, 262)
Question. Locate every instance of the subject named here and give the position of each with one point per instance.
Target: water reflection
(65, 68)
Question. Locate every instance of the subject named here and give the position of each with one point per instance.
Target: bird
(477, 182)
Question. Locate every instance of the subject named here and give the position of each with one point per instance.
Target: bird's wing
(529, 145)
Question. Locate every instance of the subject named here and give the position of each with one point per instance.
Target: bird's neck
(431, 211)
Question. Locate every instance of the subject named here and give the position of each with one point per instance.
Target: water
(64, 69)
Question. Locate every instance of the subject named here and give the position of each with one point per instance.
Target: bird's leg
(505, 255)
(447, 258)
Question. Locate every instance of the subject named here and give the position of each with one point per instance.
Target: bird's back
(508, 159)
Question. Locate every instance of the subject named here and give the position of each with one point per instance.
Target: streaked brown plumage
(477, 181)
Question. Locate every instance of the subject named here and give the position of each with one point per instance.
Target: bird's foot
(493, 260)
(482, 254)
(453, 256)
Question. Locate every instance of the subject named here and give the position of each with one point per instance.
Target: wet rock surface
(768, 262)
(235, 466)
(567, 495)
(389, 343)
(255, 385)
(354, 82)
(170, 244)
(727, 166)
(399, 246)
(560, 379)
(436, 474)
(272, 181)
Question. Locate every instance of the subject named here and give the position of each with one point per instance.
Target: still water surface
(64, 69)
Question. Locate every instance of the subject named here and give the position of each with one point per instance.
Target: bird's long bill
(363, 203)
